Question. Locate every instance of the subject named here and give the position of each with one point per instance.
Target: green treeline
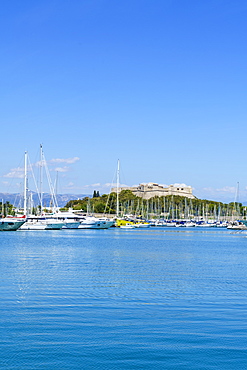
(171, 207)
(6, 209)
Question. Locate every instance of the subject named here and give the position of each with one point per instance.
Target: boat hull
(96, 225)
(36, 224)
(71, 225)
(10, 225)
(54, 226)
(33, 226)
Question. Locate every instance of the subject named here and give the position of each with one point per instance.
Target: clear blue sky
(159, 84)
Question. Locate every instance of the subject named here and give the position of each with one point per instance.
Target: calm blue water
(123, 299)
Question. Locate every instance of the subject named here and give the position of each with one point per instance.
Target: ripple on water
(118, 300)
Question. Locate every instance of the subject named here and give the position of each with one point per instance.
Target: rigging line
(50, 183)
(34, 180)
(112, 183)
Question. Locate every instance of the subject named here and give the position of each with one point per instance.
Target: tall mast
(25, 184)
(118, 170)
(56, 184)
(236, 202)
(41, 179)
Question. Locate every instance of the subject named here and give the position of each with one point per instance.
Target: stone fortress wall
(147, 191)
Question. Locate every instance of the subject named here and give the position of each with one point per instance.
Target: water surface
(123, 299)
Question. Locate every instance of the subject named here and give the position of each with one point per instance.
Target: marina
(148, 205)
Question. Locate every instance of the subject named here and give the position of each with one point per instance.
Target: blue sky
(159, 84)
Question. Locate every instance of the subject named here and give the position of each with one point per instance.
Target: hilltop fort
(147, 191)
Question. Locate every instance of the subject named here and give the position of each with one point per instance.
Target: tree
(95, 194)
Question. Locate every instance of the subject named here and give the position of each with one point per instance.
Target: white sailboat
(37, 222)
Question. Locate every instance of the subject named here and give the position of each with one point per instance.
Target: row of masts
(166, 209)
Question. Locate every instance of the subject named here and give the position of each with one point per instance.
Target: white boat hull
(71, 225)
(33, 226)
(37, 224)
(54, 226)
(142, 225)
(95, 225)
(127, 227)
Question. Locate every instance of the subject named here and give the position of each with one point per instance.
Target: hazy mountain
(62, 199)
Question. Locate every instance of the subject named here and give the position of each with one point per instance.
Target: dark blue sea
(123, 299)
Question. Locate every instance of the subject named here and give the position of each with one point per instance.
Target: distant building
(147, 191)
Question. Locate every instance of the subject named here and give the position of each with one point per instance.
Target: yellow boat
(120, 222)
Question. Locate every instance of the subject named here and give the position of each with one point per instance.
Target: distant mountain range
(62, 199)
